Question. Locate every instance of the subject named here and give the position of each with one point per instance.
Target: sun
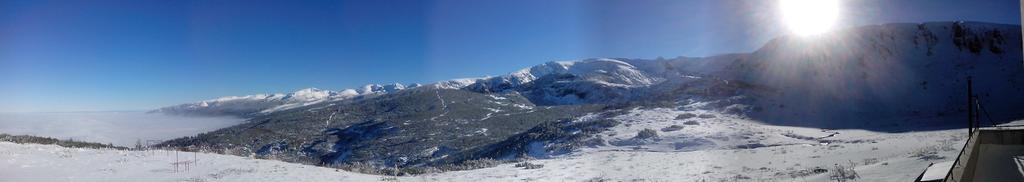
(809, 17)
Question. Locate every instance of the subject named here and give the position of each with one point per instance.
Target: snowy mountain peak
(456, 83)
(393, 87)
(310, 94)
(268, 103)
(348, 93)
(376, 88)
(611, 72)
(371, 88)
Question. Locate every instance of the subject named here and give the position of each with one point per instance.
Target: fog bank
(118, 128)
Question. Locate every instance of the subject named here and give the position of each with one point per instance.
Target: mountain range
(890, 77)
(250, 105)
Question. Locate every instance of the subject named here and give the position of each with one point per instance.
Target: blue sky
(90, 55)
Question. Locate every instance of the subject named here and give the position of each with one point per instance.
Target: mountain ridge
(892, 77)
(861, 56)
(258, 104)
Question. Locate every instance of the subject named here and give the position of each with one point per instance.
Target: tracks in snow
(444, 106)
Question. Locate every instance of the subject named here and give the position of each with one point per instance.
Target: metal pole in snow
(970, 107)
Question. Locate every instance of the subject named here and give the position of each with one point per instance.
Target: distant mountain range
(251, 105)
(864, 77)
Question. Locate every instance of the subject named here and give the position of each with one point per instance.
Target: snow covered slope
(267, 103)
(33, 162)
(723, 147)
(885, 73)
(719, 148)
(888, 72)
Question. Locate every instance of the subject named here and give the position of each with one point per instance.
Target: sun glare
(809, 17)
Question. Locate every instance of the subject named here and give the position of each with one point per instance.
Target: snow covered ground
(710, 146)
(32, 162)
(118, 128)
(723, 147)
